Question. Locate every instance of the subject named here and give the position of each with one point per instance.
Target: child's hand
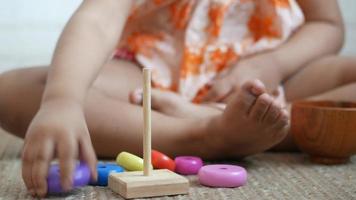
(59, 129)
(262, 68)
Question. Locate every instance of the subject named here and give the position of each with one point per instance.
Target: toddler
(223, 72)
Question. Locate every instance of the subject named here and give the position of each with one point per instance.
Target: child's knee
(4, 95)
(344, 68)
(348, 65)
(353, 61)
(7, 80)
(13, 84)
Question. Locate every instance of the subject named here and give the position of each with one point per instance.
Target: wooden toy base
(159, 183)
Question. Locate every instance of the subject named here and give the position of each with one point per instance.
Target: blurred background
(29, 29)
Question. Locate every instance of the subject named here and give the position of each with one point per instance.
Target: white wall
(29, 29)
(348, 10)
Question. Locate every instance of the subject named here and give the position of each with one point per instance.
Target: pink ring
(188, 165)
(227, 176)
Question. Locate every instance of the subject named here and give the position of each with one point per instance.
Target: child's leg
(320, 76)
(108, 114)
(331, 78)
(116, 125)
(343, 93)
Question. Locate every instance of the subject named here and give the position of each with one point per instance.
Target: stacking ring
(161, 161)
(130, 161)
(188, 165)
(228, 176)
(104, 170)
(81, 177)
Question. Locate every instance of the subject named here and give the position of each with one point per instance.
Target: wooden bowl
(325, 130)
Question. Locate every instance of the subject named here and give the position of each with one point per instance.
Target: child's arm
(86, 44)
(59, 127)
(322, 34)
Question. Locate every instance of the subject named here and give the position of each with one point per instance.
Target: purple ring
(81, 177)
(227, 176)
(188, 165)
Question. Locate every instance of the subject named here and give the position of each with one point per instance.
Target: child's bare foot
(252, 122)
(172, 104)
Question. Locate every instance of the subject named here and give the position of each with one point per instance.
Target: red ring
(161, 161)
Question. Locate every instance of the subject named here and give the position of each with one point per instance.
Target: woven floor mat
(271, 176)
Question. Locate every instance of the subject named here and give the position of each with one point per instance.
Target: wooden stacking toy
(149, 183)
(325, 130)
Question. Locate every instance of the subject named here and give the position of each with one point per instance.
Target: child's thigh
(21, 91)
(116, 79)
(20, 96)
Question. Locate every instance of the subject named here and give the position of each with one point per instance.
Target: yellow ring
(130, 161)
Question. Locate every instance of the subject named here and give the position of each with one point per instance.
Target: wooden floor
(270, 176)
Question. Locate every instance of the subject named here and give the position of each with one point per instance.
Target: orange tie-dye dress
(188, 42)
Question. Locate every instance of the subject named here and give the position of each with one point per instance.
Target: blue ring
(104, 169)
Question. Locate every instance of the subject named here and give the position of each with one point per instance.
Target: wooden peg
(147, 121)
(150, 183)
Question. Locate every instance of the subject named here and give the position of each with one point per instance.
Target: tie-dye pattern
(188, 42)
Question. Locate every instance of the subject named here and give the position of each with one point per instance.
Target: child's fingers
(41, 166)
(67, 155)
(27, 162)
(87, 154)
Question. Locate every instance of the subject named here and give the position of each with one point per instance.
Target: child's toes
(162, 100)
(283, 120)
(273, 113)
(256, 86)
(260, 108)
(135, 96)
(243, 101)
